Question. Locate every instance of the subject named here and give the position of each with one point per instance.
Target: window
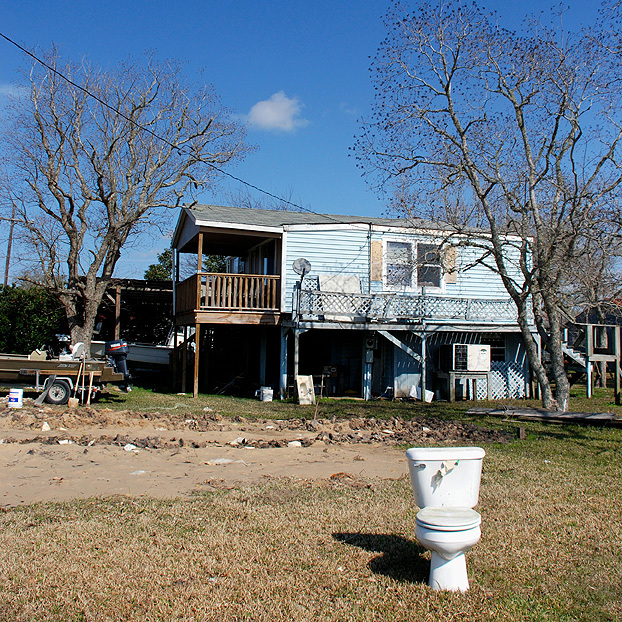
(496, 341)
(401, 267)
(428, 265)
(399, 264)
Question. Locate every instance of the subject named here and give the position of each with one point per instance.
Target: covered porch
(244, 290)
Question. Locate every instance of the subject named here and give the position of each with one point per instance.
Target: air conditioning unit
(464, 357)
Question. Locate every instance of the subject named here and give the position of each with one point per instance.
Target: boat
(58, 378)
(144, 354)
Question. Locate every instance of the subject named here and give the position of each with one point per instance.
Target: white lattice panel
(507, 380)
(391, 306)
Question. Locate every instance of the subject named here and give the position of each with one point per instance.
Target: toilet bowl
(445, 483)
(448, 533)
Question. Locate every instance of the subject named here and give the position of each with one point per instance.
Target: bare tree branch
(95, 166)
(516, 133)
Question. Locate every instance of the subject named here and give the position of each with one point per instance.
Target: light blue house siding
(350, 251)
(473, 279)
(346, 251)
(477, 280)
(332, 251)
(359, 344)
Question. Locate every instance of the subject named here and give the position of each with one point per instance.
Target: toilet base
(448, 574)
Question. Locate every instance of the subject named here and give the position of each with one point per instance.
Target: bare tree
(595, 290)
(596, 281)
(94, 166)
(516, 134)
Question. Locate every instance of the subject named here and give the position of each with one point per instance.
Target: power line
(161, 138)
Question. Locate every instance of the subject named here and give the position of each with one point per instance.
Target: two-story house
(369, 306)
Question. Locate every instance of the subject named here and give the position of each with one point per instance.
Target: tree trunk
(81, 307)
(601, 368)
(533, 356)
(558, 369)
(82, 333)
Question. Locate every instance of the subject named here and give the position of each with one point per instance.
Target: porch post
(175, 355)
(589, 337)
(175, 279)
(283, 365)
(588, 383)
(424, 367)
(197, 354)
(296, 351)
(200, 252)
(262, 356)
(616, 351)
(184, 360)
(367, 367)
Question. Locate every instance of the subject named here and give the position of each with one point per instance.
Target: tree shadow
(401, 558)
(111, 398)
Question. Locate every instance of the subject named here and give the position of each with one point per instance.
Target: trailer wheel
(59, 393)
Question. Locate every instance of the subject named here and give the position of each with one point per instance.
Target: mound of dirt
(84, 426)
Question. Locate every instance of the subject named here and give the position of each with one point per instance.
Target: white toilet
(445, 481)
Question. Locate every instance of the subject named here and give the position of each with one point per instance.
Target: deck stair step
(575, 355)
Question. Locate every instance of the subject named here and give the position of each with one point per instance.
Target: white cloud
(278, 112)
(13, 90)
(346, 109)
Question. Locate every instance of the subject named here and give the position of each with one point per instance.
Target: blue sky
(298, 70)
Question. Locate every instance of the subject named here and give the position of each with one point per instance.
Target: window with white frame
(399, 264)
(428, 265)
(409, 265)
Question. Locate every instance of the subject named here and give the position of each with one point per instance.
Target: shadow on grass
(582, 434)
(111, 397)
(400, 558)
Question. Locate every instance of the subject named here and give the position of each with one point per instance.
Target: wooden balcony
(220, 298)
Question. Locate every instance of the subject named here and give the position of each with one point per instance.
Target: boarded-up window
(450, 267)
(376, 261)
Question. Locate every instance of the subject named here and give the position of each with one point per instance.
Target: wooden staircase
(588, 344)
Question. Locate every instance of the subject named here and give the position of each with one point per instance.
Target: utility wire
(161, 138)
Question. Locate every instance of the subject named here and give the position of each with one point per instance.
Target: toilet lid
(448, 519)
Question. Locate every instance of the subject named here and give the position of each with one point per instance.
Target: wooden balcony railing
(230, 292)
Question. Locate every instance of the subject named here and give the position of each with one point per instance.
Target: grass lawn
(551, 510)
(147, 398)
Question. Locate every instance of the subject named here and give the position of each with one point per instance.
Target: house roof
(280, 218)
(231, 230)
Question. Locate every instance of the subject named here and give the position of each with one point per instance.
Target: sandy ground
(35, 471)
(87, 453)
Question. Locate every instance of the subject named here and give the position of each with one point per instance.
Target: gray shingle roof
(278, 218)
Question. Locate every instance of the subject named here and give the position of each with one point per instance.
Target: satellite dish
(301, 266)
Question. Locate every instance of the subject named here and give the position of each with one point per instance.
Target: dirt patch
(53, 453)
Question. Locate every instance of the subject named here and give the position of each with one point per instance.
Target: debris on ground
(44, 422)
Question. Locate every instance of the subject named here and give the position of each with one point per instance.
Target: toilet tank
(445, 476)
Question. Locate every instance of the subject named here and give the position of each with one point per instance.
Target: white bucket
(266, 394)
(16, 398)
